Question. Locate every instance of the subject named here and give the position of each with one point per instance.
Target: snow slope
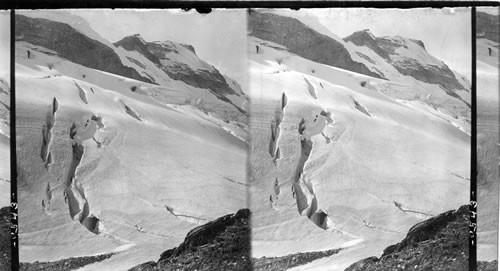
(336, 161)
(398, 59)
(488, 149)
(406, 60)
(112, 164)
(4, 142)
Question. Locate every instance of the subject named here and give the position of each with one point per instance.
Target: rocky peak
(391, 44)
(180, 62)
(487, 26)
(366, 38)
(73, 45)
(409, 57)
(189, 47)
(399, 41)
(368, 33)
(419, 42)
(160, 48)
(137, 43)
(303, 41)
(364, 34)
(138, 36)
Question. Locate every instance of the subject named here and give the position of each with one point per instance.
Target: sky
(446, 33)
(5, 45)
(489, 10)
(219, 37)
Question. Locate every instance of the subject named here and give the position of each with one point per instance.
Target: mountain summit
(179, 62)
(303, 41)
(409, 57)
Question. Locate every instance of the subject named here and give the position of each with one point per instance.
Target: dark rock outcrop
(222, 244)
(136, 43)
(386, 48)
(160, 54)
(366, 38)
(4, 87)
(487, 266)
(65, 264)
(441, 76)
(487, 26)
(303, 41)
(290, 261)
(72, 45)
(5, 239)
(157, 52)
(439, 243)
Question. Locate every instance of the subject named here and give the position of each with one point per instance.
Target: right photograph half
(488, 152)
(360, 134)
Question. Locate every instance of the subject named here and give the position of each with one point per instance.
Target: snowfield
(4, 139)
(336, 161)
(111, 164)
(488, 150)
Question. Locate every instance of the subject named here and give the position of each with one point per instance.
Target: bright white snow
(378, 165)
(162, 166)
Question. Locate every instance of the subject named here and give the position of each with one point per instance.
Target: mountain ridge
(72, 45)
(487, 26)
(428, 69)
(303, 41)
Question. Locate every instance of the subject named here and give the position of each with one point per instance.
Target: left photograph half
(131, 131)
(5, 237)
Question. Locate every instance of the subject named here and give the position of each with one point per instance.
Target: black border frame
(13, 155)
(206, 7)
(473, 151)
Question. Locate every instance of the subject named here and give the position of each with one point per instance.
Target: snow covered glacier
(350, 147)
(122, 148)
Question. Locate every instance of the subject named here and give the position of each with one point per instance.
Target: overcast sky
(446, 33)
(5, 44)
(490, 10)
(219, 37)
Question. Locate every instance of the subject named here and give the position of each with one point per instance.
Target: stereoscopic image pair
(250, 139)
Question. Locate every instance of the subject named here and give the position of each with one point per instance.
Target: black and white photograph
(360, 131)
(5, 237)
(131, 140)
(488, 125)
(308, 136)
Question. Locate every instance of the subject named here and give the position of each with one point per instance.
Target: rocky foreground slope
(65, 264)
(5, 239)
(438, 243)
(222, 244)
